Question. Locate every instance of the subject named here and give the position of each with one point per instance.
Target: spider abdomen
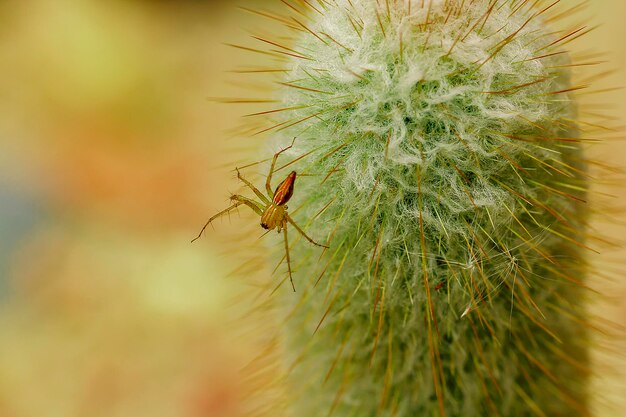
(284, 191)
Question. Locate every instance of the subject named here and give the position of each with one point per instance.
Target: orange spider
(273, 209)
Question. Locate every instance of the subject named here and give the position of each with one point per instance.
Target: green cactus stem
(440, 157)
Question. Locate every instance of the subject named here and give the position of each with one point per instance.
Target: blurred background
(112, 157)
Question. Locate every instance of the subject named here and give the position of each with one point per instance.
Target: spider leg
(221, 213)
(238, 201)
(287, 256)
(248, 202)
(252, 187)
(293, 223)
(268, 182)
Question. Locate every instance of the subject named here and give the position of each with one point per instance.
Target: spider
(273, 209)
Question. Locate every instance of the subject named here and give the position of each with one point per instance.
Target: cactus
(440, 157)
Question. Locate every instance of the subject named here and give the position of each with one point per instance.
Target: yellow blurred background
(111, 158)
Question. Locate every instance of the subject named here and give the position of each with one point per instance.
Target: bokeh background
(112, 155)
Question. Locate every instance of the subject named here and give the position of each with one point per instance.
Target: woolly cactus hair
(441, 157)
